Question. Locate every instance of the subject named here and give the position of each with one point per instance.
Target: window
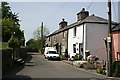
(63, 34)
(74, 31)
(54, 39)
(118, 55)
(52, 52)
(49, 38)
(74, 48)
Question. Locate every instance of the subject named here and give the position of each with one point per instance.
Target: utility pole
(42, 37)
(109, 38)
(42, 30)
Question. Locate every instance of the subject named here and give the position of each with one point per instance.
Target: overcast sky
(32, 14)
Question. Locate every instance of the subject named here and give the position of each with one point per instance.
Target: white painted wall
(74, 39)
(91, 35)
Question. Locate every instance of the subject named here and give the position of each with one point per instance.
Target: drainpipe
(107, 65)
(84, 41)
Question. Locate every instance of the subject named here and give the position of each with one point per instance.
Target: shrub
(77, 57)
(33, 45)
(62, 57)
(92, 59)
(100, 70)
(116, 69)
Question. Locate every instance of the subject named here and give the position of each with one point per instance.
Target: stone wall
(7, 61)
(7, 58)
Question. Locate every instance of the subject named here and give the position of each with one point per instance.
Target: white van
(51, 53)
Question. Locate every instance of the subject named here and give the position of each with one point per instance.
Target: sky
(32, 14)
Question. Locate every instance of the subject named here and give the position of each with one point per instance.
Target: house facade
(89, 38)
(82, 37)
(58, 39)
(116, 42)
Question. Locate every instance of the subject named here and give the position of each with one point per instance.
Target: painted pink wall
(116, 43)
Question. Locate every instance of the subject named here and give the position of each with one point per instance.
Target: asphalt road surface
(39, 68)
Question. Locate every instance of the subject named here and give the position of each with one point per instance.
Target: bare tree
(37, 33)
(40, 36)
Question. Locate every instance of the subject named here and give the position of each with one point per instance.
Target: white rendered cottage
(87, 35)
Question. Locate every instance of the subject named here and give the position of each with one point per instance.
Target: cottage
(83, 36)
(116, 42)
(58, 38)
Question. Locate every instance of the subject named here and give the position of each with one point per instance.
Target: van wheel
(45, 57)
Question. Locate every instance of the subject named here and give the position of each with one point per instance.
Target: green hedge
(116, 69)
(78, 57)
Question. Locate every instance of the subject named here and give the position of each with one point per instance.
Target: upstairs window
(74, 31)
(54, 39)
(63, 34)
(49, 38)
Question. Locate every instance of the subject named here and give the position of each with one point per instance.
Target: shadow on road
(11, 74)
(19, 77)
(29, 58)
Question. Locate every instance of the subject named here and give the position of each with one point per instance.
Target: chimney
(82, 14)
(62, 24)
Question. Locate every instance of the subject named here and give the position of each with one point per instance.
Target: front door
(80, 49)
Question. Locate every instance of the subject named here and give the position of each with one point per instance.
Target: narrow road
(42, 68)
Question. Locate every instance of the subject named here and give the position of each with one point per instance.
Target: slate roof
(116, 28)
(89, 19)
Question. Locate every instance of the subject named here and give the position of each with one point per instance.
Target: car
(50, 53)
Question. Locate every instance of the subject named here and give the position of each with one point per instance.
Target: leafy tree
(32, 45)
(30, 41)
(10, 23)
(6, 11)
(13, 42)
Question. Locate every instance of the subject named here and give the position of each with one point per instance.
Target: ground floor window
(74, 48)
(118, 55)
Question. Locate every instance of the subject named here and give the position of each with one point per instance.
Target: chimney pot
(82, 14)
(62, 24)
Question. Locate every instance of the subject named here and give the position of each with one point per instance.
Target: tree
(5, 10)
(38, 41)
(10, 23)
(37, 33)
(13, 42)
(32, 45)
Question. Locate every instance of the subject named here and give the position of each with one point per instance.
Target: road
(43, 68)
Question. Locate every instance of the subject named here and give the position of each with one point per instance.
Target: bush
(62, 57)
(33, 45)
(92, 59)
(32, 48)
(116, 69)
(77, 57)
(101, 70)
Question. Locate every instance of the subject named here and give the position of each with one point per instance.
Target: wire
(89, 4)
(93, 6)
